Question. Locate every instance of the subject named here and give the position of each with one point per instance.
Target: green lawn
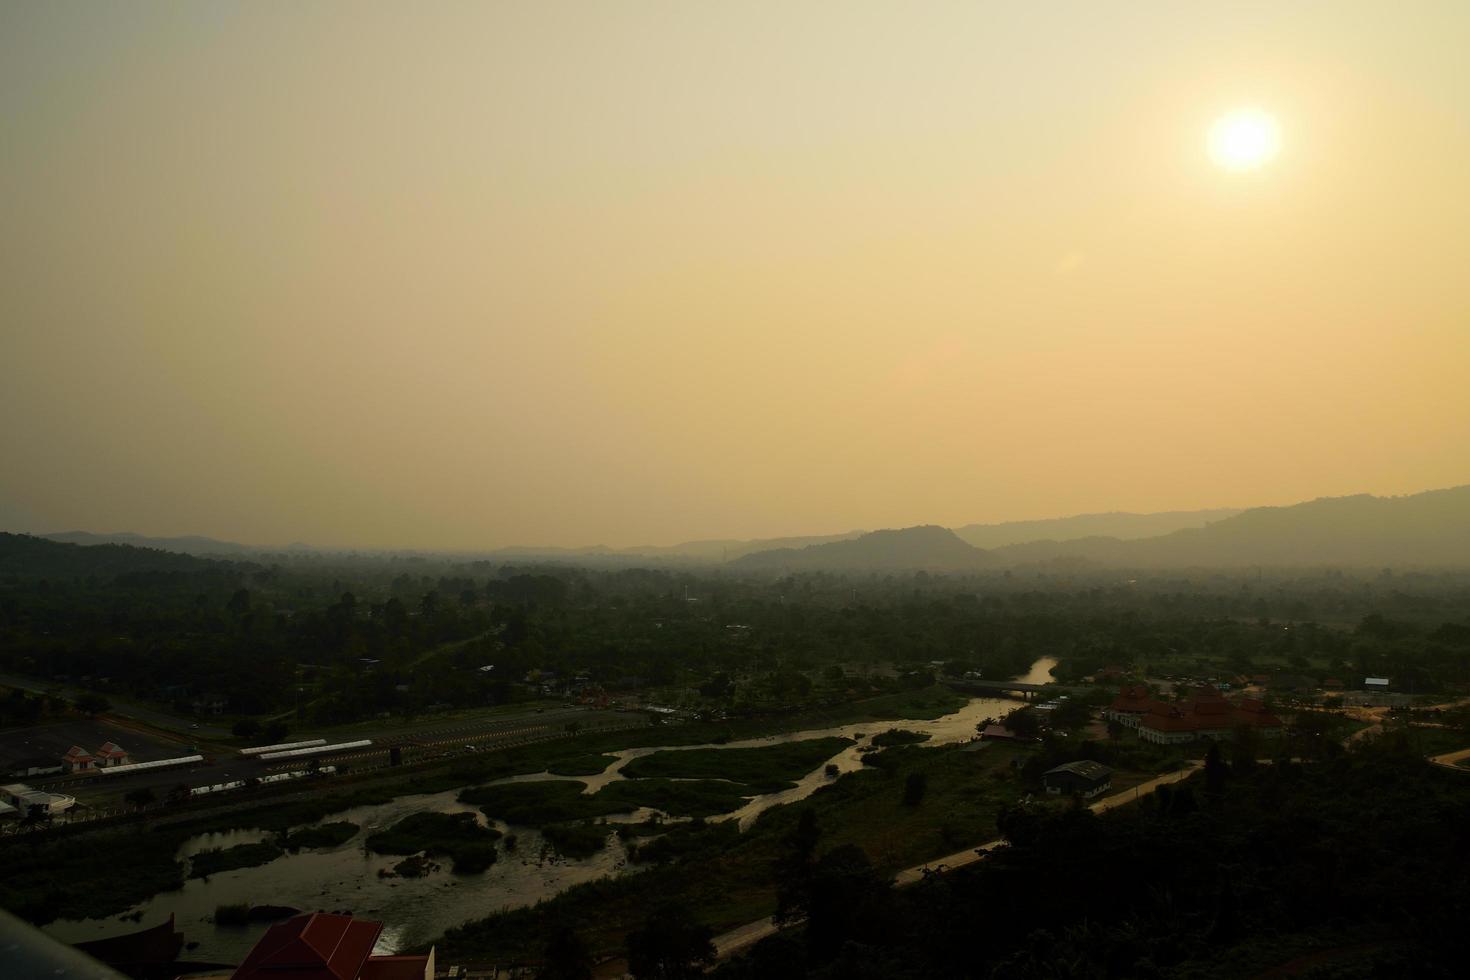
(769, 767)
(207, 863)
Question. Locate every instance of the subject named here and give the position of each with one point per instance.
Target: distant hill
(1430, 529)
(708, 550)
(33, 557)
(925, 547)
(729, 549)
(187, 544)
(1121, 525)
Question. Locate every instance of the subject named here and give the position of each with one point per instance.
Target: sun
(1244, 139)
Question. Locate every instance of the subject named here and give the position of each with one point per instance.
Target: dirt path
(743, 937)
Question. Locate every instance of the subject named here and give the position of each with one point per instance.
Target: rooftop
(1086, 768)
(318, 946)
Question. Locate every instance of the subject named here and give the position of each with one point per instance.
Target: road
(1451, 760)
(743, 937)
(430, 739)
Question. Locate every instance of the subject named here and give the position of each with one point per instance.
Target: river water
(415, 910)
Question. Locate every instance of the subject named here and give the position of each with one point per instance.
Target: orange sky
(467, 274)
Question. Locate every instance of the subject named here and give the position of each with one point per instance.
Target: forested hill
(31, 557)
(926, 547)
(187, 544)
(1430, 529)
(1117, 524)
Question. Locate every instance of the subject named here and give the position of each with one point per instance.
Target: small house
(330, 947)
(111, 754)
(78, 759)
(1085, 779)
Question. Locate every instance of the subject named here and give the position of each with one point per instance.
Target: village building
(1000, 733)
(1205, 715)
(1131, 704)
(78, 759)
(320, 946)
(111, 754)
(1085, 779)
(28, 802)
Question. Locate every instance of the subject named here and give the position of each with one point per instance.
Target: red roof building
(319, 946)
(1205, 715)
(1131, 704)
(112, 754)
(1003, 734)
(78, 759)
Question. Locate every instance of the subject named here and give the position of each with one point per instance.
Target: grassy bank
(324, 835)
(456, 835)
(734, 881)
(769, 768)
(56, 878)
(212, 862)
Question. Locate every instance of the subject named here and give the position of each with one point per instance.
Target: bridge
(1026, 692)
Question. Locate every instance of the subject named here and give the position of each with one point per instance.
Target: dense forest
(335, 638)
(1347, 868)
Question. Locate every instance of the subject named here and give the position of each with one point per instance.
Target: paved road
(430, 739)
(751, 933)
(1451, 759)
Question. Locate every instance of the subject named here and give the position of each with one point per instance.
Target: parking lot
(50, 740)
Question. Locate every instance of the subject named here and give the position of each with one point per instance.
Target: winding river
(415, 910)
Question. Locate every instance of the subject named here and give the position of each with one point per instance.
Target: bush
(899, 736)
(325, 835)
(458, 835)
(206, 863)
(576, 840)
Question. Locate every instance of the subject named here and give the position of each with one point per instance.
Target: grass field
(734, 880)
(323, 835)
(770, 768)
(207, 863)
(457, 835)
(541, 803)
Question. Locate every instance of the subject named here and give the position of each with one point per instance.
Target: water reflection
(415, 910)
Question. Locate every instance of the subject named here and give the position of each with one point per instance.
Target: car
(194, 726)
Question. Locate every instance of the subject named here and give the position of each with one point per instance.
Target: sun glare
(1244, 139)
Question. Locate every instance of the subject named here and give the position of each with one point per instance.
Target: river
(415, 910)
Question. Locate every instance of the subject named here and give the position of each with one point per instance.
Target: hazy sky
(469, 274)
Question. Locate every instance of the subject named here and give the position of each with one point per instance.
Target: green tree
(141, 797)
(670, 946)
(566, 956)
(915, 785)
(1215, 771)
(793, 867)
(93, 705)
(1023, 722)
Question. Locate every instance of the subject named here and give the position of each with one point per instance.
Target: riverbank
(149, 878)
